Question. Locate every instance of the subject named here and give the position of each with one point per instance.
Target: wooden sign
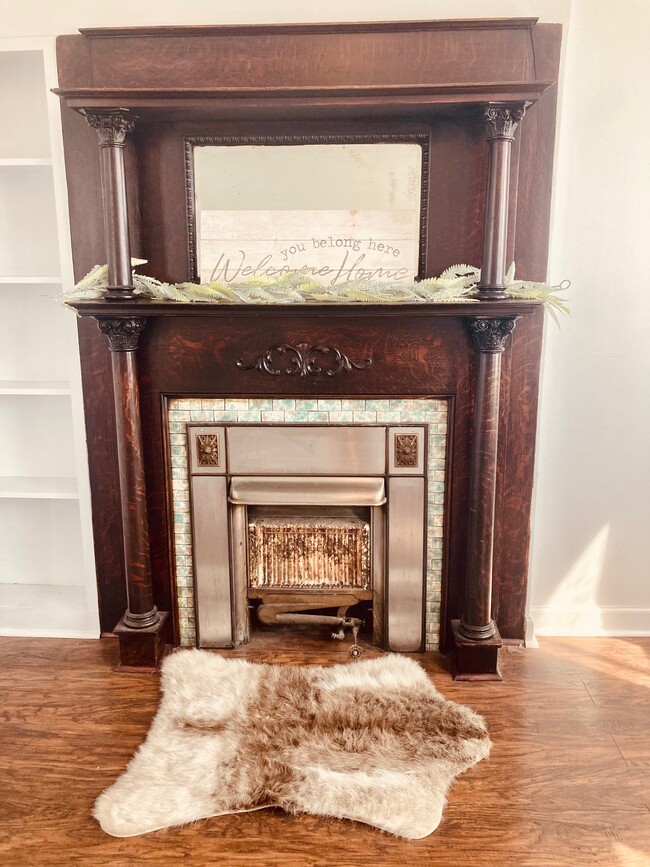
(332, 246)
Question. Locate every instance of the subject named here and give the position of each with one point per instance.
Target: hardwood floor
(568, 782)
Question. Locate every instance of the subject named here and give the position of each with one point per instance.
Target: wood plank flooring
(568, 782)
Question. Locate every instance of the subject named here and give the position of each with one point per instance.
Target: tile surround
(432, 413)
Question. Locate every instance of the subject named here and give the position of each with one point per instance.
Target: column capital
(123, 333)
(490, 335)
(501, 120)
(112, 126)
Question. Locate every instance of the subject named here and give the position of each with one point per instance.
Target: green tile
(344, 411)
(202, 415)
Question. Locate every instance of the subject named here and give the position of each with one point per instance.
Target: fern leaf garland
(456, 284)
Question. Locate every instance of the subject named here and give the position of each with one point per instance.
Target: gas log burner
(290, 520)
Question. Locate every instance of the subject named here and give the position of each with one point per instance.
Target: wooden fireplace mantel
(416, 350)
(482, 94)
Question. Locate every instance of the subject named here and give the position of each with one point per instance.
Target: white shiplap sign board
(334, 246)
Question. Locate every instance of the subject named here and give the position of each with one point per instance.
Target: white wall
(589, 568)
(39, 17)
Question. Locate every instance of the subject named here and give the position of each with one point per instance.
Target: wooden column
(112, 127)
(476, 637)
(140, 630)
(501, 122)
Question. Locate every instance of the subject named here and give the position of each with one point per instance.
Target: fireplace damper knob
(355, 651)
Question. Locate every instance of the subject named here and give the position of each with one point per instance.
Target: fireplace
(286, 506)
(153, 367)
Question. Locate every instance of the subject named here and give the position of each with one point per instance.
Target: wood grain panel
(84, 193)
(536, 140)
(518, 424)
(316, 58)
(99, 411)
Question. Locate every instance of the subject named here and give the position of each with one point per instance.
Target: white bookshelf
(38, 488)
(24, 278)
(25, 161)
(26, 386)
(47, 574)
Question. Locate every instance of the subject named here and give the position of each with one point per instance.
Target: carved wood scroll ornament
(304, 360)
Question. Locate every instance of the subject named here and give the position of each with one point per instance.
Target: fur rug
(372, 741)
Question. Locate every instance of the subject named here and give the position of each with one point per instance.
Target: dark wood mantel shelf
(146, 307)
(221, 103)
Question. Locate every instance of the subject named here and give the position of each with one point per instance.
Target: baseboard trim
(530, 638)
(590, 620)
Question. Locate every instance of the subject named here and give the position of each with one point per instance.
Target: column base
(475, 660)
(142, 649)
(477, 633)
(151, 618)
(498, 293)
(120, 293)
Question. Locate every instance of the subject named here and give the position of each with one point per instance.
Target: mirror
(339, 212)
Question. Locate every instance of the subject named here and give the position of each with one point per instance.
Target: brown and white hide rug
(372, 741)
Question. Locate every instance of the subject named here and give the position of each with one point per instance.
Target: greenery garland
(456, 284)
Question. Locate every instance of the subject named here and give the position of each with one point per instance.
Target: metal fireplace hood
(312, 491)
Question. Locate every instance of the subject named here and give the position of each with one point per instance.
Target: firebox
(305, 523)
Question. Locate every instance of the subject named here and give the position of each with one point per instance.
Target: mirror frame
(190, 142)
